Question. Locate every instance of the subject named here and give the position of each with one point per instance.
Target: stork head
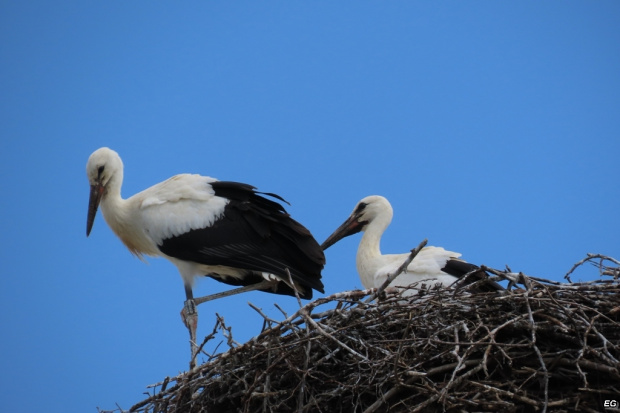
(370, 209)
(104, 168)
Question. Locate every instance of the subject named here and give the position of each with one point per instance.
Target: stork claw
(189, 315)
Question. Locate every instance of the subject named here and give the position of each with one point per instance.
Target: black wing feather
(254, 234)
(459, 269)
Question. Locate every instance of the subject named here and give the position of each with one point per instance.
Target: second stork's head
(373, 210)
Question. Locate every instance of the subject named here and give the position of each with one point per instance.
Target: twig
(543, 366)
(294, 287)
(400, 270)
(590, 257)
(331, 337)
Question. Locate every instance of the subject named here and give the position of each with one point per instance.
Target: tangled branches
(543, 346)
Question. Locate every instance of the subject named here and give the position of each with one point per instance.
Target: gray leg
(189, 315)
(261, 285)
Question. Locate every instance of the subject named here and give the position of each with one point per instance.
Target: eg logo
(610, 403)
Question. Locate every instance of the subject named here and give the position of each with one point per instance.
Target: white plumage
(432, 266)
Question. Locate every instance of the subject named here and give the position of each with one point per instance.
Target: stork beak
(349, 227)
(96, 192)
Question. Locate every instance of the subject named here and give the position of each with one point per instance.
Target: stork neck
(112, 204)
(369, 251)
(370, 245)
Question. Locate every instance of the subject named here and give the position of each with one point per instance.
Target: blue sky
(492, 127)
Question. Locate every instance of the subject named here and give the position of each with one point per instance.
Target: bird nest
(537, 346)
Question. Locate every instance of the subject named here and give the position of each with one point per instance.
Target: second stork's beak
(349, 227)
(96, 192)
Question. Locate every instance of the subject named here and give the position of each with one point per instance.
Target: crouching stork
(431, 267)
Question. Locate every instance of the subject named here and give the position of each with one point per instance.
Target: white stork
(206, 227)
(432, 265)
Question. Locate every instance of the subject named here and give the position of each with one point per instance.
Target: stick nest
(537, 346)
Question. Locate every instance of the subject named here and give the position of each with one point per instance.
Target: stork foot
(189, 315)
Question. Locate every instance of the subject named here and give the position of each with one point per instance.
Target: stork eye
(360, 207)
(100, 170)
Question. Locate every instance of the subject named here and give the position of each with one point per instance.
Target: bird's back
(426, 267)
(253, 233)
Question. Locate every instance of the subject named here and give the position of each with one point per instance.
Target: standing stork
(224, 230)
(432, 265)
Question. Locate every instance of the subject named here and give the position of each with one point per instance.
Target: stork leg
(261, 285)
(189, 315)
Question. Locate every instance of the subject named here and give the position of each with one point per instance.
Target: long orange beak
(96, 192)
